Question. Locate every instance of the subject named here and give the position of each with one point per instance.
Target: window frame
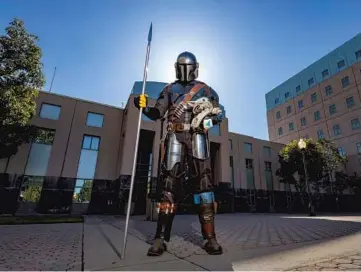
(91, 141)
(343, 80)
(49, 104)
(94, 113)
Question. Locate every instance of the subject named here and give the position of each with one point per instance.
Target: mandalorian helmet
(186, 67)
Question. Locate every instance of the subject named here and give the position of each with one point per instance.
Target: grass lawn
(47, 219)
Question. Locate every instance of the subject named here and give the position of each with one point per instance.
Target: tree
(355, 184)
(291, 162)
(21, 77)
(332, 161)
(85, 192)
(32, 193)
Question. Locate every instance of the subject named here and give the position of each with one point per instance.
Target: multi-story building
(322, 101)
(88, 150)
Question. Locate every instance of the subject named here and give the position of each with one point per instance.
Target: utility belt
(178, 127)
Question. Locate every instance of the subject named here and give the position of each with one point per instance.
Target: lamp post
(302, 146)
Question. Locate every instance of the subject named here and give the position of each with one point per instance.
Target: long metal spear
(136, 144)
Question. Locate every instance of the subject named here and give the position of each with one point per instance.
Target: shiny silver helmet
(186, 67)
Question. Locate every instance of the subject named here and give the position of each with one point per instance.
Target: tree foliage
(32, 193)
(85, 192)
(21, 77)
(321, 157)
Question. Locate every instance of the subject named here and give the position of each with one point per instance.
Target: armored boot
(206, 218)
(166, 213)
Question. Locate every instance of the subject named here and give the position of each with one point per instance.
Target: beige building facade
(71, 121)
(322, 101)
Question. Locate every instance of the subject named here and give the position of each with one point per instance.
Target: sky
(245, 48)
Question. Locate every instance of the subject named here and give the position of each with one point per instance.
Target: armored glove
(141, 101)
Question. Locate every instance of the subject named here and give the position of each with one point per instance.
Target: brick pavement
(240, 231)
(41, 247)
(349, 263)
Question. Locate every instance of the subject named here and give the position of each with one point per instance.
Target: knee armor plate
(200, 146)
(173, 151)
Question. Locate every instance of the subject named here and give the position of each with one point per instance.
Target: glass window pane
(215, 130)
(95, 120)
(87, 164)
(38, 160)
(86, 142)
(50, 111)
(95, 143)
(79, 183)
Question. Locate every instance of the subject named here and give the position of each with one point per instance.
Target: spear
(136, 144)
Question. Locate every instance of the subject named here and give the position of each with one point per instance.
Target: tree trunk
(298, 189)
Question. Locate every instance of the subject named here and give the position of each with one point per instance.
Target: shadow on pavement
(243, 236)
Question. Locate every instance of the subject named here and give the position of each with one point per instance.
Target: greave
(166, 213)
(206, 218)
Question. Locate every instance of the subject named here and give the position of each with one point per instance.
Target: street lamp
(302, 146)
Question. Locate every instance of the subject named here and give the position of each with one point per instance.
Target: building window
(86, 169)
(355, 124)
(328, 90)
(91, 143)
(342, 152)
(40, 151)
(278, 115)
(325, 73)
(336, 130)
(298, 88)
(358, 146)
(350, 102)
(320, 134)
(287, 95)
(268, 175)
(95, 120)
(300, 104)
(267, 151)
(291, 127)
(215, 130)
(358, 55)
(345, 82)
(311, 81)
(303, 121)
(231, 170)
(82, 191)
(280, 131)
(49, 111)
(289, 109)
(341, 64)
(332, 109)
(248, 147)
(250, 174)
(230, 144)
(146, 118)
(313, 97)
(277, 101)
(317, 115)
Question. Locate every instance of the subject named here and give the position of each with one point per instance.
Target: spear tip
(150, 32)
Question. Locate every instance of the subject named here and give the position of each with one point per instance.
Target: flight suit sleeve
(161, 105)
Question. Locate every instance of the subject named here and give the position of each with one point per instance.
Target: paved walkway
(41, 247)
(352, 262)
(251, 242)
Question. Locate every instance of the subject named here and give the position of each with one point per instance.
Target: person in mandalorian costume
(191, 108)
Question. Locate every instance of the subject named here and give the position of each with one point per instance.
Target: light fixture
(302, 144)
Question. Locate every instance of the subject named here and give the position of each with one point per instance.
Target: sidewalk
(102, 250)
(103, 242)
